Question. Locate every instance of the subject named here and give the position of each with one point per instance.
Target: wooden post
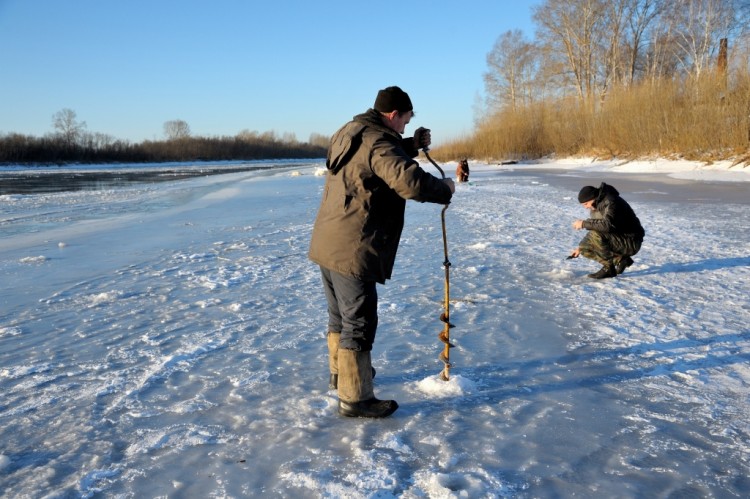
(722, 63)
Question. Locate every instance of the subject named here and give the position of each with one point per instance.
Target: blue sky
(290, 66)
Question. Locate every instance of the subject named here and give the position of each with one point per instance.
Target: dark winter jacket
(462, 171)
(613, 215)
(370, 175)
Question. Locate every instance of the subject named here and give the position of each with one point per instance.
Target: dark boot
(356, 396)
(608, 270)
(624, 263)
(372, 408)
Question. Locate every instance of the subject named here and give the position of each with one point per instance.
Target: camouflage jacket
(613, 215)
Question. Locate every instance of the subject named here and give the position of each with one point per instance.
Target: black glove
(422, 138)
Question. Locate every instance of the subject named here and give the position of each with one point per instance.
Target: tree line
(609, 77)
(601, 77)
(72, 142)
(587, 48)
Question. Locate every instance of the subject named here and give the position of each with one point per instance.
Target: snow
(168, 340)
(721, 171)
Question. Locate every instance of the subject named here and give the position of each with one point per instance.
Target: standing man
(371, 174)
(614, 231)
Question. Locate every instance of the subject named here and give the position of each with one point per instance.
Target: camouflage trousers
(608, 248)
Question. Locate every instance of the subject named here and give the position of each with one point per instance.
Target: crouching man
(614, 232)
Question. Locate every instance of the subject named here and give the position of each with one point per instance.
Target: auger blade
(444, 359)
(444, 318)
(444, 338)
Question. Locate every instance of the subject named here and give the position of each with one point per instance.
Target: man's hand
(578, 224)
(422, 138)
(575, 253)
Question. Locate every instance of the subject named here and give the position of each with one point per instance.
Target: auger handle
(426, 151)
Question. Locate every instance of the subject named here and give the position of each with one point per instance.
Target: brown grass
(705, 119)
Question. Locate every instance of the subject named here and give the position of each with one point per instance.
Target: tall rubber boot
(356, 396)
(333, 359)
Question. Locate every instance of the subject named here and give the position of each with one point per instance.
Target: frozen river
(167, 339)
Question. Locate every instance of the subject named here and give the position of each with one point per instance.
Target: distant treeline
(97, 148)
(625, 78)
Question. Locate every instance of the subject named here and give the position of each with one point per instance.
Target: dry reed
(701, 119)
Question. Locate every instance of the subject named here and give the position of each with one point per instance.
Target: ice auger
(444, 335)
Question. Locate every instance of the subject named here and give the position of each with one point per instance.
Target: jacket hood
(606, 190)
(348, 138)
(343, 145)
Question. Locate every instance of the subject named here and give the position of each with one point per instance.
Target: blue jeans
(352, 309)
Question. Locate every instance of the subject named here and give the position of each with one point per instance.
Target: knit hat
(392, 99)
(587, 194)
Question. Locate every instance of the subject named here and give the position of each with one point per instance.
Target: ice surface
(168, 340)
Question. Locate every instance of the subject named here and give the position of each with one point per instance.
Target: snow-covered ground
(167, 340)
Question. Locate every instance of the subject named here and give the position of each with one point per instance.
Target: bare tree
(289, 138)
(660, 56)
(686, 34)
(69, 129)
(612, 44)
(96, 141)
(587, 46)
(248, 135)
(641, 15)
(176, 129)
(268, 136)
(572, 30)
(319, 140)
(512, 65)
(702, 23)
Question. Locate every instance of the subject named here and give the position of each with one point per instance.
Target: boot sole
(353, 411)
